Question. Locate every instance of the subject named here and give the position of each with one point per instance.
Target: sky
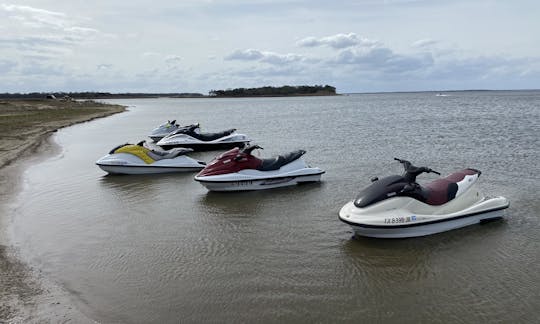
(203, 45)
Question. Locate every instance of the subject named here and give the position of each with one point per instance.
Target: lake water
(141, 249)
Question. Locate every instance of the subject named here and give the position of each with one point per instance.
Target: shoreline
(26, 294)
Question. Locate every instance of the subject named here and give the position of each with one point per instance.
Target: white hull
(428, 229)
(124, 163)
(405, 217)
(259, 184)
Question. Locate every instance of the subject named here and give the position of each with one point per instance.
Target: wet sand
(26, 295)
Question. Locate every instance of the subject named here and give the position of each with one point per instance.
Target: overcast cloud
(196, 46)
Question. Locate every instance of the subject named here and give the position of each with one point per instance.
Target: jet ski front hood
(380, 190)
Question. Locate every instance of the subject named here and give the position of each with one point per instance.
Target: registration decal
(242, 183)
(400, 220)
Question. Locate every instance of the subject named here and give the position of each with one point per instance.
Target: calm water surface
(140, 249)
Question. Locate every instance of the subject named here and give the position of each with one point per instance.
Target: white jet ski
(238, 169)
(143, 159)
(397, 206)
(163, 130)
(190, 136)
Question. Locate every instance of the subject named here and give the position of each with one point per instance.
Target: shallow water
(139, 249)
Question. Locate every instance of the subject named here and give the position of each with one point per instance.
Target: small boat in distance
(238, 170)
(397, 206)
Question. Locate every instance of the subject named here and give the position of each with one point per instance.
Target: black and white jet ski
(397, 206)
(190, 136)
(238, 169)
(144, 159)
(163, 130)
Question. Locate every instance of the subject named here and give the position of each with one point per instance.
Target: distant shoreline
(157, 95)
(98, 95)
(267, 91)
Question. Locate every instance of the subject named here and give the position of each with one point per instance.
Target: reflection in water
(250, 202)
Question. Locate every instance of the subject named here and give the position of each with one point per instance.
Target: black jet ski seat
(441, 191)
(279, 161)
(206, 137)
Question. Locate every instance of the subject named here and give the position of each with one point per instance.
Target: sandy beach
(26, 295)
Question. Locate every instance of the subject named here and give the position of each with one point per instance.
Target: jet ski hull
(259, 183)
(184, 140)
(123, 163)
(402, 223)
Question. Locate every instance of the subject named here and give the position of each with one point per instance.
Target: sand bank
(26, 295)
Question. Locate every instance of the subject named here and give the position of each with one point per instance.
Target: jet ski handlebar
(411, 171)
(248, 149)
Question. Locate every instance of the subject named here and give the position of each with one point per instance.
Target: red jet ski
(238, 169)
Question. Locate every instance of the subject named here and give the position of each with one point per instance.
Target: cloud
(35, 41)
(104, 66)
(424, 43)
(337, 41)
(173, 59)
(264, 56)
(42, 70)
(382, 59)
(6, 66)
(150, 55)
(245, 55)
(42, 31)
(34, 17)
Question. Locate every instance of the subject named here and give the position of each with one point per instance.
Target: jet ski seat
(160, 155)
(280, 160)
(211, 136)
(443, 190)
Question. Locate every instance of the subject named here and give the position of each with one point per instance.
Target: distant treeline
(276, 91)
(94, 95)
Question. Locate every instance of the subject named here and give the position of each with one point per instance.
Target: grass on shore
(22, 122)
(16, 117)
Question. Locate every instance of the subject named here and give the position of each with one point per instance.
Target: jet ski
(238, 169)
(190, 136)
(163, 130)
(144, 159)
(397, 206)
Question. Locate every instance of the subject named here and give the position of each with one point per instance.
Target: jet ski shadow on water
(145, 159)
(238, 170)
(191, 137)
(397, 206)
